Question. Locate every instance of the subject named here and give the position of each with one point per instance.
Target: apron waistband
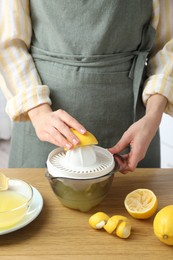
(138, 61)
(84, 61)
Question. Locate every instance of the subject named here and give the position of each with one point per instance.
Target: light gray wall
(166, 131)
(5, 122)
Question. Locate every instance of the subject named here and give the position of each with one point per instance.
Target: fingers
(121, 145)
(62, 124)
(136, 154)
(71, 121)
(121, 162)
(61, 132)
(118, 148)
(55, 137)
(130, 160)
(54, 127)
(138, 139)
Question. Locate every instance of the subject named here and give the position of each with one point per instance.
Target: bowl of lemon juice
(14, 202)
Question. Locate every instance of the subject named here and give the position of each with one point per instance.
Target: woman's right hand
(54, 126)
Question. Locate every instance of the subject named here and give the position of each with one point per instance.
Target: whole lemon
(163, 225)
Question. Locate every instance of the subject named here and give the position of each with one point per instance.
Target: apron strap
(137, 73)
(138, 69)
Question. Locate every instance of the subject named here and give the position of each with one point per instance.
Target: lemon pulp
(141, 203)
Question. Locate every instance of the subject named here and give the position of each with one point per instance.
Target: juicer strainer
(86, 162)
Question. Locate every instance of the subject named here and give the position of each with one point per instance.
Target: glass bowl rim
(49, 176)
(24, 204)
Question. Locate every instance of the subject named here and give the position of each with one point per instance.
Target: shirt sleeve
(19, 79)
(160, 65)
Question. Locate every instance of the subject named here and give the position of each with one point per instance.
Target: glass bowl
(14, 203)
(80, 194)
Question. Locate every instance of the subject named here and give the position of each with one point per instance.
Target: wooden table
(62, 233)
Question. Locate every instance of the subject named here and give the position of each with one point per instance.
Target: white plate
(34, 210)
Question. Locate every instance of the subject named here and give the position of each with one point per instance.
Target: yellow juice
(13, 207)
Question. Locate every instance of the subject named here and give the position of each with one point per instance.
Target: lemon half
(85, 139)
(141, 203)
(3, 182)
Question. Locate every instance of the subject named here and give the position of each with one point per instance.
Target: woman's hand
(140, 134)
(54, 126)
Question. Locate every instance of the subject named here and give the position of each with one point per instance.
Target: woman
(82, 64)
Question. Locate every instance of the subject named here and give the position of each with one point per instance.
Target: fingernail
(68, 145)
(75, 142)
(82, 130)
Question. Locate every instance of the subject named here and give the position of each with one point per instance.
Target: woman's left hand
(138, 136)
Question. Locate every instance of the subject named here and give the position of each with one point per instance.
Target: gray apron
(92, 55)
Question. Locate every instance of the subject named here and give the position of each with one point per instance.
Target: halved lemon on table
(85, 139)
(141, 203)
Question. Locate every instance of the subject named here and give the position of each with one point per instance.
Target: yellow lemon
(163, 225)
(141, 203)
(3, 182)
(118, 224)
(98, 220)
(85, 139)
(123, 229)
(113, 222)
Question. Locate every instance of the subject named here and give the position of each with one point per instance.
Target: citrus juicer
(84, 162)
(81, 177)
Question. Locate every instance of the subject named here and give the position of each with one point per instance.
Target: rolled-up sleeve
(19, 79)
(160, 64)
